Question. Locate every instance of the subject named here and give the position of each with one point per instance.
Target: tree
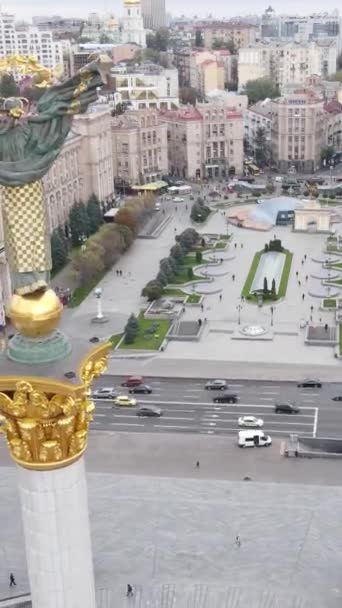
(265, 290)
(190, 273)
(260, 89)
(166, 268)
(79, 224)
(160, 40)
(327, 154)
(188, 238)
(339, 62)
(261, 146)
(88, 264)
(172, 263)
(59, 251)
(337, 76)
(119, 109)
(8, 87)
(177, 253)
(153, 290)
(131, 329)
(198, 256)
(94, 213)
(162, 278)
(188, 95)
(199, 42)
(126, 235)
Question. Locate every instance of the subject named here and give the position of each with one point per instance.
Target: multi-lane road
(189, 408)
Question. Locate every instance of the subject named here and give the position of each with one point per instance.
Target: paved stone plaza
(174, 538)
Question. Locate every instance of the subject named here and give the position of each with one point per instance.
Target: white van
(253, 439)
(157, 206)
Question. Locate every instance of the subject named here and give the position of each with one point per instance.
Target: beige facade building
(287, 62)
(205, 142)
(298, 132)
(84, 167)
(240, 34)
(5, 282)
(147, 86)
(139, 147)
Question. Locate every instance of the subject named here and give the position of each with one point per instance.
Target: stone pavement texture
(173, 539)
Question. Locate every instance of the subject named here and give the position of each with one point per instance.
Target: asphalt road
(189, 408)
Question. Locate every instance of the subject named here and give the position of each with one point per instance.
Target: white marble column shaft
(57, 535)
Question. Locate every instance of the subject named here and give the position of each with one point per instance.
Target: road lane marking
(315, 423)
(205, 421)
(268, 392)
(166, 409)
(209, 403)
(124, 424)
(171, 426)
(286, 416)
(176, 418)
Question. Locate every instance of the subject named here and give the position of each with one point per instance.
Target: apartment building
(5, 281)
(257, 116)
(298, 132)
(240, 34)
(147, 86)
(286, 62)
(154, 14)
(31, 41)
(139, 147)
(205, 142)
(333, 128)
(84, 167)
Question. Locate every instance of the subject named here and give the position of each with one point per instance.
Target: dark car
(337, 398)
(286, 407)
(310, 383)
(144, 389)
(226, 398)
(216, 385)
(150, 411)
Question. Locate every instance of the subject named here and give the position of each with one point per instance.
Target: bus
(253, 170)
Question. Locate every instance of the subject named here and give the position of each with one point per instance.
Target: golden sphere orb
(35, 314)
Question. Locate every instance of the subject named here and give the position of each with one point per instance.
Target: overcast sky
(80, 8)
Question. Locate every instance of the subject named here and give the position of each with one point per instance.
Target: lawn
(283, 281)
(145, 341)
(221, 245)
(337, 265)
(115, 339)
(193, 298)
(225, 237)
(81, 292)
(329, 303)
(174, 292)
(334, 282)
(182, 276)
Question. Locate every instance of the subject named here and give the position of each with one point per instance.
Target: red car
(133, 381)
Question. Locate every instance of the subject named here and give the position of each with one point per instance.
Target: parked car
(143, 389)
(253, 439)
(125, 401)
(216, 385)
(226, 398)
(250, 421)
(310, 383)
(150, 411)
(286, 407)
(133, 381)
(157, 207)
(178, 199)
(337, 398)
(106, 392)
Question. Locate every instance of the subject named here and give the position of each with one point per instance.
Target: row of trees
(131, 329)
(84, 220)
(199, 210)
(260, 89)
(168, 267)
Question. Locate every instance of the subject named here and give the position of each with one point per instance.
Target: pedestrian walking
(241, 245)
(235, 245)
(297, 273)
(199, 322)
(176, 208)
(202, 307)
(237, 541)
(304, 256)
(220, 296)
(197, 464)
(233, 277)
(12, 582)
(129, 591)
(299, 283)
(311, 318)
(306, 277)
(320, 319)
(303, 296)
(302, 262)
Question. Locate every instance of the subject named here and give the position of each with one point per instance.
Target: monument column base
(58, 545)
(35, 351)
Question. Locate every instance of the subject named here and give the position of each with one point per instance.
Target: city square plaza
(158, 523)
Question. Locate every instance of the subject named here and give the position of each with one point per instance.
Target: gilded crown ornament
(46, 422)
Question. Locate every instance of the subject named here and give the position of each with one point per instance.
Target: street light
(239, 308)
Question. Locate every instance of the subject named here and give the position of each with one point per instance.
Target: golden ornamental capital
(45, 421)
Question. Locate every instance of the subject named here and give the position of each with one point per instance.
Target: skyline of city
(80, 8)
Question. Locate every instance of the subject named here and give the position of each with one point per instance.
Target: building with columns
(139, 147)
(84, 167)
(133, 24)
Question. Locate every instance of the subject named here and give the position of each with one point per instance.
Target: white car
(250, 421)
(178, 199)
(105, 393)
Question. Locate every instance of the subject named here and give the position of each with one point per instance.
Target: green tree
(126, 235)
(162, 278)
(131, 329)
(217, 44)
(260, 89)
(8, 87)
(79, 224)
(188, 95)
(119, 109)
(326, 154)
(153, 290)
(190, 273)
(265, 290)
(166, 268)
(172, 263)
(199, 256)
(260, 146)
(187, 239)
(177, 253)
(94, 214)
(199, 42)
(59, 251)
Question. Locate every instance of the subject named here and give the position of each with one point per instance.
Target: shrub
(162, 278)
(190, 273)
(153, 290)
(266, 248)
(199, 257)
(166, 268)
(177, 253)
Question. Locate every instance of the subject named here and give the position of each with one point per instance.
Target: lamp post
(239, 308)
(98, 295)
